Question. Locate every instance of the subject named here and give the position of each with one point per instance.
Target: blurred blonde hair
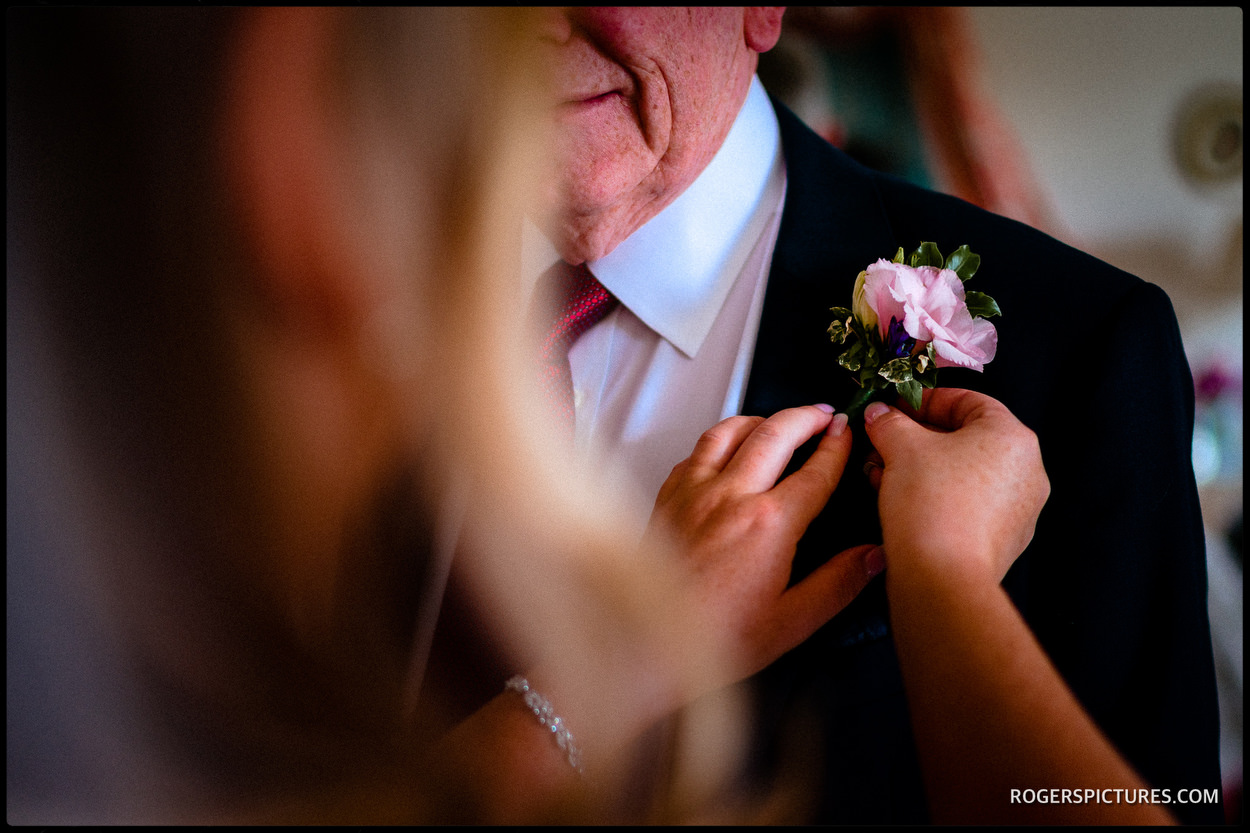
(129, 242)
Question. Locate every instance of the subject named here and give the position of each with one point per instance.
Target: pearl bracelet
(541, 707)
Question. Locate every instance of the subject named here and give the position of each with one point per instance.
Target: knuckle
(811, 478)
(1043, 489)
(728, 428)
(769, 430)
(710, 504)
(769, 514)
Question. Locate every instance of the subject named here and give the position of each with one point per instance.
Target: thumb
(888, 428)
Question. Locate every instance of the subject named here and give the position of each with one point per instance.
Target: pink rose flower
(931, 305)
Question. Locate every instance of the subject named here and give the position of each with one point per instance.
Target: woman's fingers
(949, 408)
(873, 465)
(716, 447)
(822, 595)
(764, 453)
(743, 457)
(752, 452)
(808, 489)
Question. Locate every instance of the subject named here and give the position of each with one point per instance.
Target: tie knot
(581, 303)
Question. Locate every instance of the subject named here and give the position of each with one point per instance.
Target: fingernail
(875, 410)
(838, 426)
(874, 561)
(826, 408)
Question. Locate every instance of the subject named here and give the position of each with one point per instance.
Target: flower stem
(855, 408)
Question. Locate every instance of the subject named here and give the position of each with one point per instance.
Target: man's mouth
(601, 97)
(580, 101)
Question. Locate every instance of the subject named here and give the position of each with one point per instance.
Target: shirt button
(578, 397)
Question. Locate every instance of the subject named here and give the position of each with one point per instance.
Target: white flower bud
(860, 307)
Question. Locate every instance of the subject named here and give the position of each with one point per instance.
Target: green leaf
(838, 332)
(963, 263)
(928, 375)
(927, 254)
(899, 257)
(840, 313)
(982, 305)
(872, 357)
(853, 357)
(869, 363)
(897, 370)
(910, 391)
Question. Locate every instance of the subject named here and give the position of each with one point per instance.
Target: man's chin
(580, 239)
(592, 210)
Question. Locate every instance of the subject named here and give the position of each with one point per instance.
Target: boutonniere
(907, 319)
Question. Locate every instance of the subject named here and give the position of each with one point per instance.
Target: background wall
(1093, 94)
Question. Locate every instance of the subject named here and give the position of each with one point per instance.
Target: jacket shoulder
(831, 185)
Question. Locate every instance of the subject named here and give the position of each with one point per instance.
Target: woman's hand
(961, 485)
(960, 489)
(739, 528)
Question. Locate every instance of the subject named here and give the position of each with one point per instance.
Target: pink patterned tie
(581, 303)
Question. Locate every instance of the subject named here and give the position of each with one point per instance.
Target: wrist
(941, 567)
(606, 705)
(547, 718)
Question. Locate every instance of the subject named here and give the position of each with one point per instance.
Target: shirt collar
(675, 272)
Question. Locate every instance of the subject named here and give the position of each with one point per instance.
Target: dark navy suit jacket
(1114, 582)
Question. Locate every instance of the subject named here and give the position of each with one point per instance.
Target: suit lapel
(832, 227)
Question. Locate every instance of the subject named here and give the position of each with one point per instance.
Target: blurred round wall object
(1208, 134)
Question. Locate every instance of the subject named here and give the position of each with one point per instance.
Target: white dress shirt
(673, 359)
